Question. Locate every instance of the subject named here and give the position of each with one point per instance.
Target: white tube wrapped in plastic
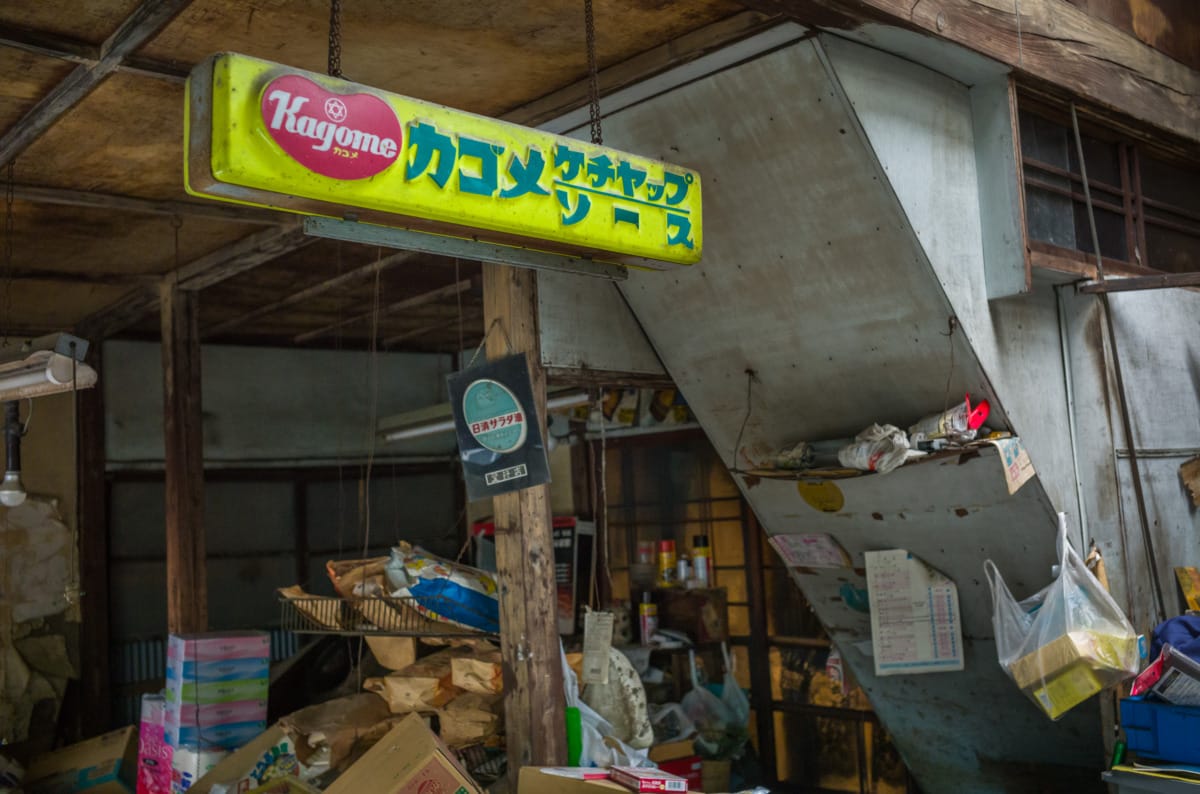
(879, 448)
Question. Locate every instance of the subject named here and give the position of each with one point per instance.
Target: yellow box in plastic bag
(1067, 671)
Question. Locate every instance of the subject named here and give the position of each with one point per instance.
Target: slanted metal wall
(842, 235)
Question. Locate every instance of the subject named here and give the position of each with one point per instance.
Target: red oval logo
(343, 136)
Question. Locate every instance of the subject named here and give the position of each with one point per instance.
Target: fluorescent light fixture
(46, 365)
(440, 419)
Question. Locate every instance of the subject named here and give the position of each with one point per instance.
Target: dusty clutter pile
(432, 723)
(883, 448)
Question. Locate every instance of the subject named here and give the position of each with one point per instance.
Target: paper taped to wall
(915, 622)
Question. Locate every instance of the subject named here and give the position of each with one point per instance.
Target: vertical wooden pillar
(533, 681)
(760, 651)
(95, 704)
(187, 583)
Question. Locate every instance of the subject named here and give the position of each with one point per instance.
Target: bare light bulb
(12, 492)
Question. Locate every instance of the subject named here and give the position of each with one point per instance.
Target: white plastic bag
(731, 694)
(599, 747)
(879, 448)
(1066, 642)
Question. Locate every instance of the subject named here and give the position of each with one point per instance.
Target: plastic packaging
(667, 571)
(154, 754)
(701, 560)
(1066, 642)
(574, 736)
(957, 424)
(443, 590)
(879, 448)
(598, 746)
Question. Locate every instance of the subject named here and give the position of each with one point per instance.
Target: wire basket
(374, 615)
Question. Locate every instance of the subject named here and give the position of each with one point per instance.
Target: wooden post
(187, 583)
(95, 704)
(529, 644)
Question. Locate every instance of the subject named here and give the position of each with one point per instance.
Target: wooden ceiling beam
(1051, 42)
(209, 269)
(441, 293)
(309, 293)
(242, 255)
(65, 48)
(107, 278)
(415, 333)
(36, 194)
(656, 60)
(138, 28)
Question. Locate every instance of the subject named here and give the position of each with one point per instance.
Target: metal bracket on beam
(439, 245)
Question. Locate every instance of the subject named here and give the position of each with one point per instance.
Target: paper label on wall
(597, 640)
(810, 551)
(1018, 468)
(915, 622)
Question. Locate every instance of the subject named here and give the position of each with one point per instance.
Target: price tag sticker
(597, 640)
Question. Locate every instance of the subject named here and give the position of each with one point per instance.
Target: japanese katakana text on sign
(299, 134)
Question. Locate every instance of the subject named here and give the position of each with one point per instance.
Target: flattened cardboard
(410, 759)
(106, 764)
(533, 781)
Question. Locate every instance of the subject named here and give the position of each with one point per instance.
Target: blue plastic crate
(1162, 731)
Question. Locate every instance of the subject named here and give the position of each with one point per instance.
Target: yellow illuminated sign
(261, 133)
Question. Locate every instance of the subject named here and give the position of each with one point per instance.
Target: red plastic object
(978, 415)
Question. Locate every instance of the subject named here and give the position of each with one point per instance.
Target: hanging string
(952, 324)
(335, 38)
(737, 447)
(507, 342)
(589, 25)
(373, 410)
(9, 195)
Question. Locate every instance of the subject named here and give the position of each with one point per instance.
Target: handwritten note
(915, 622)
(810, 551)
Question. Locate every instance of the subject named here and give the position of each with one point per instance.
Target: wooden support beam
(245, 254)
(66, 48)
(416, 333)
(308, 293)
(1165, 281)
(441, 293)
(37, 194)
(95, 703)
(529, 644)
(656, 60)
(138, 28)
(187, 571)
(237, 257)
(1050, 42)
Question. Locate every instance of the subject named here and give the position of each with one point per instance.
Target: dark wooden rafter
(472, 316)
(1047, 42)
(238, 257)
(73, 50)
(433, 296)
(138, 28)
(308, 293)
(1138, 283)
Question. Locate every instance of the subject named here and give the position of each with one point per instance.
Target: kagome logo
(342, 136)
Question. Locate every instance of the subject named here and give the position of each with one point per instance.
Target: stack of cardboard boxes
(216, 698)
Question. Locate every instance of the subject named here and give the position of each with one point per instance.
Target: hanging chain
(593, 77)
(335, 38)
(9, 194)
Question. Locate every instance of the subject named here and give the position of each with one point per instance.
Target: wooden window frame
(1126, 199)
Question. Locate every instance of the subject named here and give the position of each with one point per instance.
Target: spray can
(701, 560)
(647, 618)
(685, 570)
(958, 422)
(667, 571)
